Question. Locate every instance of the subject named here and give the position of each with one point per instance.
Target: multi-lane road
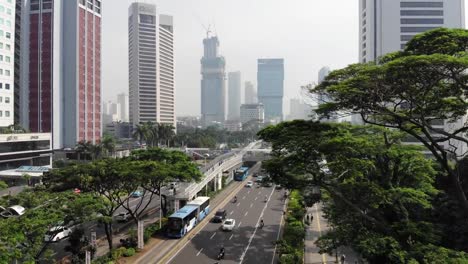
(247, 243)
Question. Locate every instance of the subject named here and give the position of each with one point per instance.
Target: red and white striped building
(61, 69)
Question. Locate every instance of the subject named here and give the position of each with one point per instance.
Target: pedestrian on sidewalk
(343, 259)
(311, 217)
(307, 218)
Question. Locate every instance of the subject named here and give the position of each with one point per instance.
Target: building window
(7, 113)
(422, 4)
(8, 35)
(1, 71)
(7, 100)
(1, 57)
(7, 86)
(7, 72)
(8, 23)
(9, 11)
(415, 29)
(422, 21)
(1, 99)
(7, 58)
(147, 19)
(406, 37)
(421, 12)
(1, 113)
(8, 47)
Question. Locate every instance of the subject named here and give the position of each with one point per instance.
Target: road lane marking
(231, 212)
(243, 197)
(251, 205)
(246, 213)
(231, 236)
(239, 224)
(213, 235)
(238, 204)
(317, 216)
(256, 198)
(199, 252)
(256, 227)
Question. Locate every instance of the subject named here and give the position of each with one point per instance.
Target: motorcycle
(220, 255)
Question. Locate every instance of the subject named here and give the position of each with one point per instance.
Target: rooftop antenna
(208, 30)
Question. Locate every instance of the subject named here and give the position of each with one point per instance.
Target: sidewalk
(318, 227)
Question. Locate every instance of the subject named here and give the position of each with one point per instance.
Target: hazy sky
(308, 34)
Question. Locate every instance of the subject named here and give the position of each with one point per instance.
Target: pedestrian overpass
(214, 171)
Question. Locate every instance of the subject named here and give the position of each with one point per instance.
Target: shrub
(118, 253)
(130, 252)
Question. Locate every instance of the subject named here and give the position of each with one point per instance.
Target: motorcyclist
(261, 223)
(266, 198)
(235, 199)
(221, 253)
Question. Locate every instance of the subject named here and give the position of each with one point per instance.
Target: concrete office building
(122, 103)
(270, 79)
(167, 72)
(298, 109)
(151, 66)
(387, 25)
(213, 84)
(7, 57)
(252, 112)
(61, 69)
(17, 62)
(234, 95)
(250, 96)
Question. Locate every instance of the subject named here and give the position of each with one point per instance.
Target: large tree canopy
(378, 194)
(416, 91)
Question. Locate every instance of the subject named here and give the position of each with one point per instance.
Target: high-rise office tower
(234, 95)
(17, 62)
(122, 102)
(270, 79)
(61, 75)
(7, 67)
(213, 84)
(151, 65)
(387, 25)
(250, 96)
(166, 68)
(143, 27)
(323, 73)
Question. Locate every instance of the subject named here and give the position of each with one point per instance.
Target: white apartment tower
(7, 54)
(387, 25)
(151, 65)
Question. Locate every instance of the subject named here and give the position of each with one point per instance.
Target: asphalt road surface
(247, 243)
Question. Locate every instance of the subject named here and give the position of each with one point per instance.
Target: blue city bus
(182, 221)
(241, 173)
(203, 204)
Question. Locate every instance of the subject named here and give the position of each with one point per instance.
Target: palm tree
(153, 133)
(166, 133)
(96, 151)
(83, 147)
(108, 144)
(140, 132)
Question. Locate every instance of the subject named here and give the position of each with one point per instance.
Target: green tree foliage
(413, 91)
(378, 194)
(211, 136)
(22, 238)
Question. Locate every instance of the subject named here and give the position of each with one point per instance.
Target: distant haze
(308, 34)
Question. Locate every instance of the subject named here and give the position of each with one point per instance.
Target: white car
(249, 184)
(229, 224)
(57, 233)
(123, 217)
(12, 211)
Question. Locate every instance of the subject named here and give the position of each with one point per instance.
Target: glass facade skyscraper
(270, 78)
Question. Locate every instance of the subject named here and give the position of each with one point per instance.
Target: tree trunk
(459, 192)
(164, 205)
(109, 235)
